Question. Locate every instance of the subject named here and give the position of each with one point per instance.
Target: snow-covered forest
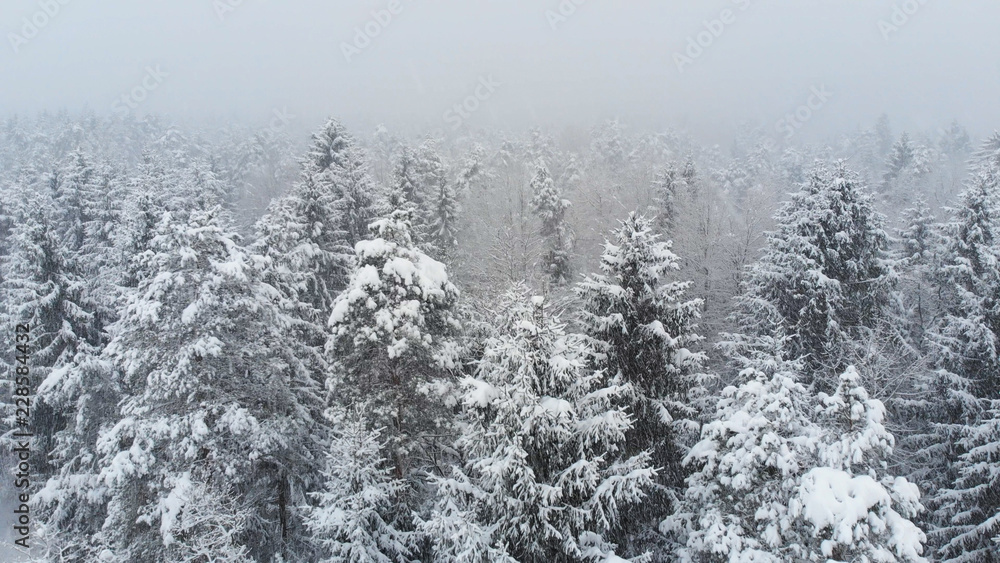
(500, 346)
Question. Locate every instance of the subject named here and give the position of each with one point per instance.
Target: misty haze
(519, 281)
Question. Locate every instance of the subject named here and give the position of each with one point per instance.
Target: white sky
(608, 59)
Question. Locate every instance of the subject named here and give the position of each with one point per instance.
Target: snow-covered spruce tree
(539, 145)
(747, 470)
(774, 486)
(609, 145)
(43, 289)
(133, 236)
(968, 336)
(973, 533)
(824, 279)
(543, 478)
(310, 232)
(666, 191)
(72, 189)
(966, 344)
(85, 211)
(86, 390)
(907, 167)
(690, 175)
(955, 141)
(312, 255)
(98, 259)
(213, 401)
(548, 204)
(883, 135)
(472, 170)
(441, 201)
(202, 187)
(640, 326)
(7, 221)
(407, 192)
(988, 154)
(338, 167)
(856, 510)
(443, 226)
(391, 339)
(899, 160)
(915, 261)
(353, 520)
(70, 514)
(919, 255)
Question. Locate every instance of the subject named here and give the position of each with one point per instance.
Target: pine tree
(70, 512)
(214, 401)
(793, 166)
(85, 389)
(824, 279)
(539, 145)
(908, 163)
(640, 327)
(42, 288)
(391, 334)
(548, 204)
(918, 259)
(7, 221)
(542, 478)
(353, 521)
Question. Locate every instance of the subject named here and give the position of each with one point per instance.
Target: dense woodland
(532, 347)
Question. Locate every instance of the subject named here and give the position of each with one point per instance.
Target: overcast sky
(760, 60)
